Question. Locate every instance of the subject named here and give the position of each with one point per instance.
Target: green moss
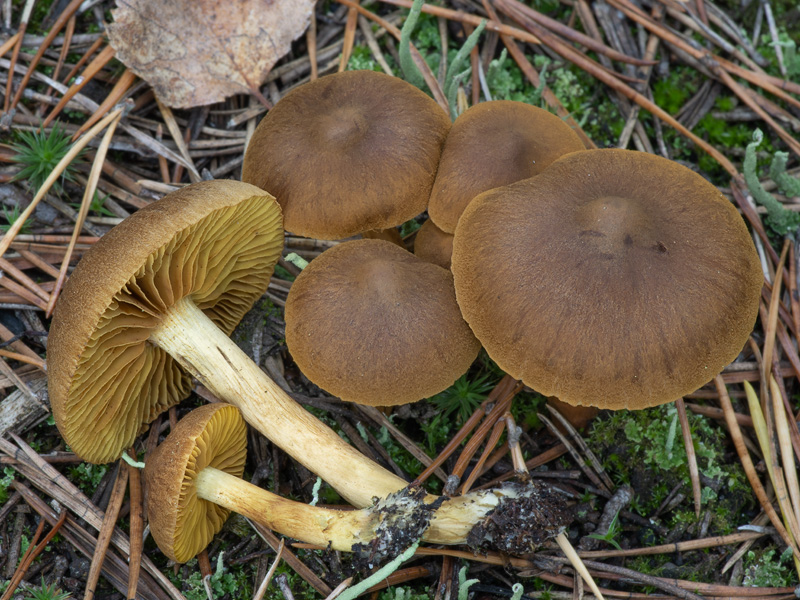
(767, 568)
(645, 449)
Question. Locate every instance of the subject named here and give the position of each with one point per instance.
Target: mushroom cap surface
(371, 323)
(493, 144)
(182, 524)
(348, 152)
(215, 241)
(615, 279)
(433, 245)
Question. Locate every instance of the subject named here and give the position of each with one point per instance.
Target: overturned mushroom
(614, 278)
(194, 482)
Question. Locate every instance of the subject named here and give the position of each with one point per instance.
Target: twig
(104, 535)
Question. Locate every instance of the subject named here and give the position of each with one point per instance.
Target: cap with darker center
(493, 144)
(348, 152)
(614, 278)
(371, 323)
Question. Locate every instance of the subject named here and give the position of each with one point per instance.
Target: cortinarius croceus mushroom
(614, 278)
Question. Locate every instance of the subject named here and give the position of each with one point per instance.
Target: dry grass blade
(136, 525)
(466, 18)
(65, 15)
(6, 369)
(505, 387)
(34, 549)
(20, 276)
(608, 485)
(691, 455)
(295, 563)
(686, 546)
(177, 137)
(88, 197)
(349, 35)
(615, 83)
(491, 442)
(9, 43)
(84, 543)
(50, 481)
(122, 85)
(381, 419)
(92, 69)
(23, 26)
(786, 449)
(12, 232)
(747, 464)
(262, 589)
(574, 453)
(575, 36)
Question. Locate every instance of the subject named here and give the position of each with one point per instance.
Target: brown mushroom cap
(493, 144)
(214, 241)
(214, 435)
(373, 324)
(614, 278)
(348, 152)
(433, 245)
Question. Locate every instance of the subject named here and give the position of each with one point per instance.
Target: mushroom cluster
(574, 275)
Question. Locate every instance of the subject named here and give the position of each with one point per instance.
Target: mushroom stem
(219, 364)
(313, 524)
(199, 346)
(343, 528)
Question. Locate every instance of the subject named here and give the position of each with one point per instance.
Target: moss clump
(645, 449)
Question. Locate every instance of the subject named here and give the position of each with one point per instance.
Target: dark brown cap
(371, 323)
(348, 152)
(491, 145)
(614, 278)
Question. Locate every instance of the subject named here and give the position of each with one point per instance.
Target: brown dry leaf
(196, 52)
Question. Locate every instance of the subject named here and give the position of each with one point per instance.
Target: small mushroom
(371, 323)
(493, 144)
(194, 480)
(433, 245)
(614, 278)
(347, 153)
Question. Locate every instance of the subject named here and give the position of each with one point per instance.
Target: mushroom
(347, 153)
(160, 292)
(205, 251)
(614, 278)
(493, 144)
(194, 482)
(392, 315)
(433, 245)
